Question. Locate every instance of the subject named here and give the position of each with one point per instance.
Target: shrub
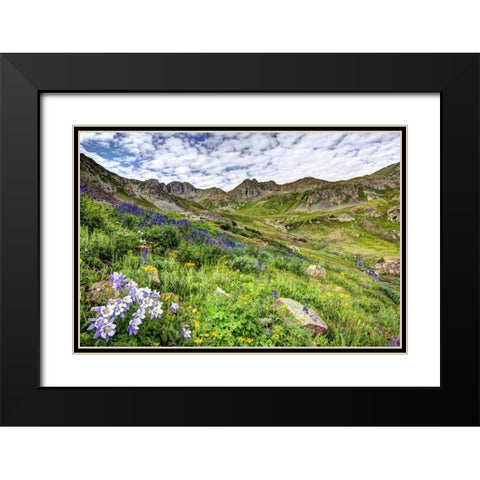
(245, 264)
(166, 238)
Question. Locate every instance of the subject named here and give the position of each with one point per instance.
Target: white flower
(219, 291)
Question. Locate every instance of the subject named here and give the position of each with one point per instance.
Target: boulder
(388, 268)
(316, 272)
(345, 218)
(304, 315)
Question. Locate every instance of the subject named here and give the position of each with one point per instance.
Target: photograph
(239, 238)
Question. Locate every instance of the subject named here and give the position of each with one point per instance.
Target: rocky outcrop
(303, 315)
(388, 268)
(314, 271)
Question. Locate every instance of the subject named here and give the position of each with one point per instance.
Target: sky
(225, 159)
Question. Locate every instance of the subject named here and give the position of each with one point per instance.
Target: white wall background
(219, 26)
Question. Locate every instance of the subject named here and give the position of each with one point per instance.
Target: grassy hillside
(219, 278)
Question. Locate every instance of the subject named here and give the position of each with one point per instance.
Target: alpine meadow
(213, 238)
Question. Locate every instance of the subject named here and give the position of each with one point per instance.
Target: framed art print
(232, 239)
(227, 239)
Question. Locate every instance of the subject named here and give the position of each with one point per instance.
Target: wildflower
(275, 336)
(195, 310)
(185, 333)
(241, 339)
(156, 344)
(274, 293)
(81, 260)
(214, 334)
(219, 291)
(305, 309)
(342, 273)
(142, 294)
(118, 280)
(249, 340)
(137, 319)
(149, 268)
(228, 334)
(329, 294)
(188, 264)
(108, 331)
(198, 341)
(131, 287)
(196, 323)
(174, 307)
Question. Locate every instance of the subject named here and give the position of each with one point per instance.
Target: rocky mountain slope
(306, 194)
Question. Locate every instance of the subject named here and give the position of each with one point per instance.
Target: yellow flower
(196, 323)
(188, 264)
(156, 344)
(342, 273)
(198, 341)
(81, 260)
(228, 335)
(249, 340)
(205, 335)
(194, 310)
(241, 339)
(214, 334)
(343, 295)
(149, 268)
(275, 336)
(329, 294)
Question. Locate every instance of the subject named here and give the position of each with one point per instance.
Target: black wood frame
(24, 77)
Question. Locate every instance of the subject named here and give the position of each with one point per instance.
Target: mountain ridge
(178, 196)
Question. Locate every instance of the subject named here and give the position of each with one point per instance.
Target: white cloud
(225, 159)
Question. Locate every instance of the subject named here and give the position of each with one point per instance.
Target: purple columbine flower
(108, 331)
(185, 333)
(136, 320)
(174, 307)
(274, 293)
(118, 279)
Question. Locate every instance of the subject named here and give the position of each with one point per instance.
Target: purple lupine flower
(274, 293)
(118, 279)
(174, 307)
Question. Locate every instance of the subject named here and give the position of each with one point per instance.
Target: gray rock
(316, 272)
(303, 314)
(394, 342)
(388, 268)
